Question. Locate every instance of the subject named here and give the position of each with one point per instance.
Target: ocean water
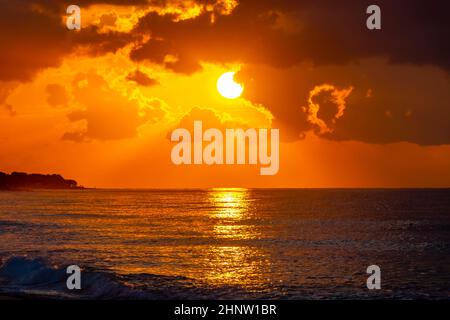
(226, 243)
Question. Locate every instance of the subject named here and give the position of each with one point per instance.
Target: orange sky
(101, 111)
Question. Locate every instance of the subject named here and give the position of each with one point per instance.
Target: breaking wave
(22, 276)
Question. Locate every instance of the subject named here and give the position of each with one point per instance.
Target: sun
(229, 88)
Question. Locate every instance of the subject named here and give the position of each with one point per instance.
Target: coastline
(43, 189)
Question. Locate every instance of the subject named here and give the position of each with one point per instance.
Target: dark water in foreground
(227, 243)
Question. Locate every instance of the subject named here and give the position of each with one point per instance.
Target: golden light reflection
(234, 263)
(216, 247)
(232, 214)
(229, 203)
(241, 266)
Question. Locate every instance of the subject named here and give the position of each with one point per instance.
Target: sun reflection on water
(234, 263)
(231, 209)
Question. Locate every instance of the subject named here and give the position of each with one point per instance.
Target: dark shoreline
(21, 180)
(43, 189)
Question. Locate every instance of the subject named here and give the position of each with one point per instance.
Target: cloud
(389, 103)
(57, 95)
(276, 33)
(210, 119)
(6, 89)
(75, 136)
(331, 98)
(330, 38)
(30, 40)
(286, 33)
(406, 103)
(34, 38)
(142, 79)
(163, 53)
(107, 114)
(286, 48)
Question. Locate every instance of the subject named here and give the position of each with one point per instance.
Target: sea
(226, 243)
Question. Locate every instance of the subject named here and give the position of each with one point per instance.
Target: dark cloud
(96, 43)
(57, 6)
(33, 38)
(400, 103)
(388, 103)
(277, 33)
(285, 33)
(142, 79)
(163, 52)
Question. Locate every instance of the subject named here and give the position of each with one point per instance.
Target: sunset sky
(98, 105)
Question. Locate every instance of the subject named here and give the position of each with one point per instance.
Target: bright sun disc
(229, 88)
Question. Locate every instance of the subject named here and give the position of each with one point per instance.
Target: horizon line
(267, 188)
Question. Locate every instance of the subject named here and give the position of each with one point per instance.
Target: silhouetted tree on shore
(21, 180)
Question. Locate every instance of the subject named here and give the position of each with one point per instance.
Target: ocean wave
(36, 277)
